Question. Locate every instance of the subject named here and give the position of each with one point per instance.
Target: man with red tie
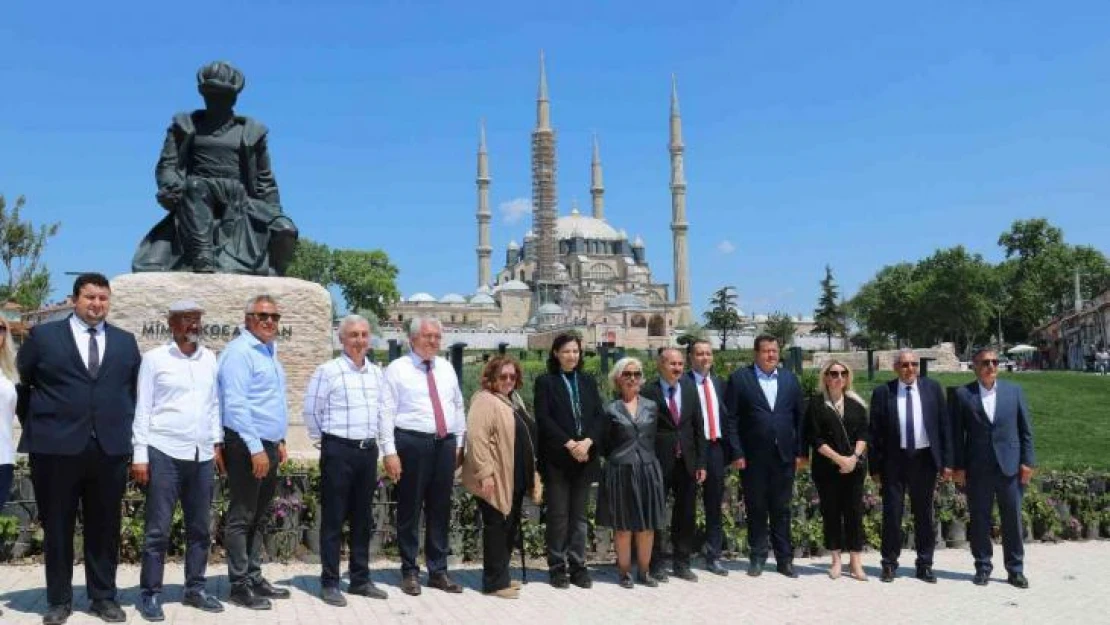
(423, 424)
(718, 449)
(680, 447)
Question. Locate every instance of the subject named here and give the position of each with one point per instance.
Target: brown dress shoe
(410, 585)
(444, 583)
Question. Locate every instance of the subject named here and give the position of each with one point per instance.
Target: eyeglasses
(837, 374)
(988, 362)
(275, 317)
(3, 329)
(632, 375)
(909, 365)
(507, 377)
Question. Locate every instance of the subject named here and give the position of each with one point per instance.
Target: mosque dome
(550, 309)
(452, 298)
(514, 285)
(626, 301)
(482, 299)
(576, 225)
(422, 298)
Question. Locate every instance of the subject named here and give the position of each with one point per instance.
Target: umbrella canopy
(1021, 349)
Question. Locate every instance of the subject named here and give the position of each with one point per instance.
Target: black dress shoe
(683, 573)
(203, 601)
(787, 569)
(367, 590)
(925, 574)
(150, 608)
(108, 611)
(410, 584)
(581, 578)
(626, 581)
(1017, 580)
(755, 568)
(981, 578)
(332, 596)
(647, 580)
(560, 580)
(659, 575)
(444, 583)
(889, 573)
(713, 567)
(264, 588)
(57, 614)
(244, 597)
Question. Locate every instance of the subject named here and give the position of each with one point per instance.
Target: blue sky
(851, 133)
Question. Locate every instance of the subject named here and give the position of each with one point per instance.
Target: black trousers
(985, 485)
(427, 479)
(768, 487)
(348, 479)
(96, 481)
(498, 539)
(248, 508)
(841, 498)
(713, 494)
(916, 473)
(678, 484)
(172, 480)
(565, 494)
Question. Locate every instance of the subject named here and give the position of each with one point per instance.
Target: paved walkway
(1067, 585)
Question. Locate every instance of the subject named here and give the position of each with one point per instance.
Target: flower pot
(956, 534)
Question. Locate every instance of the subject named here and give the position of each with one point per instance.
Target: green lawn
(1071, 414)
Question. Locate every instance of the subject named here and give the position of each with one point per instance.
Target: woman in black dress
(631, 498)
(570, 419)
(837, 426)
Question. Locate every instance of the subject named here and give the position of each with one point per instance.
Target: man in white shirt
(423, 423)
(721, 441)
(176, 437)
(342, 410)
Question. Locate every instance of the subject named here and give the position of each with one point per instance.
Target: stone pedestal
(140, 300)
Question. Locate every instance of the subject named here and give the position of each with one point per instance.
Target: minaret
(544, 198)
(484, 248)
(597, 186)
(678, 214)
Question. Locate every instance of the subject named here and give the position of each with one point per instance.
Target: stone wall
(943, 358)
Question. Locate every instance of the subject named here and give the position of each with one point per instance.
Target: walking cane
(520, 543)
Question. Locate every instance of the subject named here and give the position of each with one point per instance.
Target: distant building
(1069, 341)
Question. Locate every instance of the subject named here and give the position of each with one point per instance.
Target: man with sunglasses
(910, 434)
(993, 450)
(252, 399)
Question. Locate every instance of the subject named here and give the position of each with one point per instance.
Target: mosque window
(601, 271)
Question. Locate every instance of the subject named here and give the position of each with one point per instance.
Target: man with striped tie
(720, 443)
(342, 410)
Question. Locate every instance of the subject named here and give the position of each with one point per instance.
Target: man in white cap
(177, 439)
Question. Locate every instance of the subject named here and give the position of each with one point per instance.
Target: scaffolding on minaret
(544, 196)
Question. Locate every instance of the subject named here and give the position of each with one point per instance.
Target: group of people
(94, 410)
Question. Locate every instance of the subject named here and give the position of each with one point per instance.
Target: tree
(780, 326)
(367, 279)
(21, 247)
(312, 261)
(885, 304)
(829, 315)
(722, 315)
(959, 291)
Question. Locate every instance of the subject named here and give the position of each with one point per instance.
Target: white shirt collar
(175, 349)
(80, 325)
(351, 363)
(983, 391)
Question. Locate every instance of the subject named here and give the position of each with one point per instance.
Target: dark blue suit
(77, 428)
(772, 438)
(718, 455)
(992, 454)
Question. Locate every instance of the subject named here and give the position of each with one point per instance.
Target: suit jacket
(978, 442)
(555, 420)
(886, 431)
(689, 432)
(61, 402)
(825, 427)
(768, 432)
(729, 436)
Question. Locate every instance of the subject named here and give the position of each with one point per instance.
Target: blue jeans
(171, 480)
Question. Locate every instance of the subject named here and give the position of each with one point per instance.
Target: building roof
(626, 301)
(577, 225)
(482, 299)
(514, 285)
(422, 298)
(452, 298)
(550, 309)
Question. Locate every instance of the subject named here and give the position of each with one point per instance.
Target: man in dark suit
(680, 447)
(993, 449)
(767, 411)
(78, 385)
(719, 446)
(909, 435)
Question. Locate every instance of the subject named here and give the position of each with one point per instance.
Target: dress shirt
(921, 437)
(344, 400)
(769, 382)
(667, 396)
(7, 416)
(699, 379)
(252, 391)
(989, 397)
(80, 331)
(408, 406)
(178, 407)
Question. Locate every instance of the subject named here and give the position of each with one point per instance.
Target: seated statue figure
(215, 180)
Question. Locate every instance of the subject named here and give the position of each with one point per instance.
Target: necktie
(911, 438)
(709, 409)
(437, 407)
(94, 353)
(672, 405)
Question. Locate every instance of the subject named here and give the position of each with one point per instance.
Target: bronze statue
(214, 178)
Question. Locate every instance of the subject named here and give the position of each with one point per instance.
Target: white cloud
(726, 247)
(514, 209)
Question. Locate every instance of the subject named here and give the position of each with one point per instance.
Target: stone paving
(1067, 585)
